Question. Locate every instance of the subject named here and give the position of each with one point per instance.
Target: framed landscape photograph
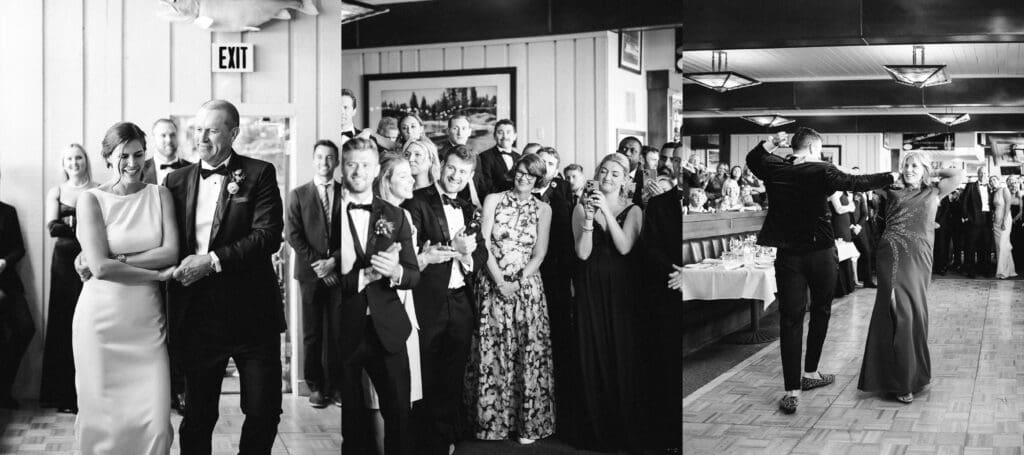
(482, 95)
(631, 50)
(832, 154)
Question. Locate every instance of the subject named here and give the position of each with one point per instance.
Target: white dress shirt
(983, 192)
(456, 221)
(161, 174)
(361, 220)
(207, 197)
(506, 157)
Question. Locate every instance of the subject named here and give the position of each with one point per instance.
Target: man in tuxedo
(458, 134)
(955, 227)
(224, 300)
(976, 208)
(662, 240)
(348, 113)
(493, 174)
(862, 234)
(313, 229)
(574, 176)
(16, 326)
(155, 171)
(377, 258)
(798, 224)
(631, 147)
(165, 160)
(444, 299)
(556, 273)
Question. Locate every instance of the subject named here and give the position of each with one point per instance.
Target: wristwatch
(122, 258)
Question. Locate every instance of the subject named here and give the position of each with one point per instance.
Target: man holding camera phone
(798, 224)
(444, 297)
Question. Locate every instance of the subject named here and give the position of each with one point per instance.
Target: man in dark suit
(377, 258)
(799, 225)
(165, 160)
(631, 147)
(16, 326)
(556, 273)
(662, 240)
(976, 207)
(458, 134)
(862, 235)
(955, 227)
(444, 299)
(493, 174)
(348, 113)
(313, 229)
(574, 176)
(155, 171)
(225, 301)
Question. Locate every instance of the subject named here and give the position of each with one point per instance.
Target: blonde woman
(57, 389)
(896, 358)
(421, 154)
(1002, 221)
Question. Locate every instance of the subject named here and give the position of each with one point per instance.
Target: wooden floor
(303, 430)
(974, 405)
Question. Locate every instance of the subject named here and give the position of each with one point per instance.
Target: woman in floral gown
(896, 357)
(509, 376)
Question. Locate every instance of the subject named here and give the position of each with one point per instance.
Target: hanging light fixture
(352, 11)
(950, 119)
(919, 75)
(720, 78)
(769, 121)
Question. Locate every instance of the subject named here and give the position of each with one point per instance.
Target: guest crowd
(447, 293)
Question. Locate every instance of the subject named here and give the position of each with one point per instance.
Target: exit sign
(232, 58)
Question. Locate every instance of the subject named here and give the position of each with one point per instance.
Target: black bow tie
(505, 152)
(354, 206)
(165, 166)
(222, 170)
(454, 202)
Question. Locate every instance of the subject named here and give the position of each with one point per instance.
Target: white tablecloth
(746, 282)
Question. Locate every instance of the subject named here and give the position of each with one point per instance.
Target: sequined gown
(896, 358)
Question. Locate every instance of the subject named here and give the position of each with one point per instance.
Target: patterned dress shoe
(788, 404)
(809, 383)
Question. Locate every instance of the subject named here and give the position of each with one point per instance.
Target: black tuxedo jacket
(798, 209)
(428, 215)
(662, 236)
(246, 232)
(970, 204)
(306, 228)
(12, 249)
(492, 176)
(561, 255)
(149, 170)
(386, 310)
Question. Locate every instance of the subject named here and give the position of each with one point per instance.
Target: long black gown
(896, 357)
(607, 287)
(1017, 238)
(841, 222)
(57, 389)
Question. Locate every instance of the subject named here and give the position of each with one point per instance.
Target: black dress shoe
(317, 400)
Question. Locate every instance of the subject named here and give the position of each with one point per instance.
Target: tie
(171, 165)
(325, 202)
(349, 134)
(504, 152)
(451, 201)
(575, 199)
(541, 195)
(354, 206)
(222, 170)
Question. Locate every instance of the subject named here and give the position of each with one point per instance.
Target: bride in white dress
(129, 242)
(1002, 223)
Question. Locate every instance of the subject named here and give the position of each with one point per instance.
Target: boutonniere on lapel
(554, 184)
(237, 178)
(384, 228)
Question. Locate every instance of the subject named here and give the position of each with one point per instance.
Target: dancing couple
(798, 224)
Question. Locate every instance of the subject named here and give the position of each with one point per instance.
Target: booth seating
(708, 236)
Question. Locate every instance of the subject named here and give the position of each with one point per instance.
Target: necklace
(83, 185)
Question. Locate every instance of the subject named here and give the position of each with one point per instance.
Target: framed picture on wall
(832, 154)
(484, 96)
(712, 159)
(631, 50)
(621, 134)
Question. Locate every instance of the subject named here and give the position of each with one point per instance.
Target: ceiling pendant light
(769, 121)
(720, 78)
(950, 119)
(352, 11)
(919, 75)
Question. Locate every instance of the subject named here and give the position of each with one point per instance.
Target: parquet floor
(974, 405)
(303, 430)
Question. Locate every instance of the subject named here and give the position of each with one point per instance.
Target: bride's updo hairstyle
(922, 159)
(121, 133)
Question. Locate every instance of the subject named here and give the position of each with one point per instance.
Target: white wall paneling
(561, 84)
(863, 150)
(83, 65)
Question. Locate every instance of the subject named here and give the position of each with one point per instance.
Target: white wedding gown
(121, 366)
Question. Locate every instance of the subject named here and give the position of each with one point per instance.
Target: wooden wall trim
(704, 225)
